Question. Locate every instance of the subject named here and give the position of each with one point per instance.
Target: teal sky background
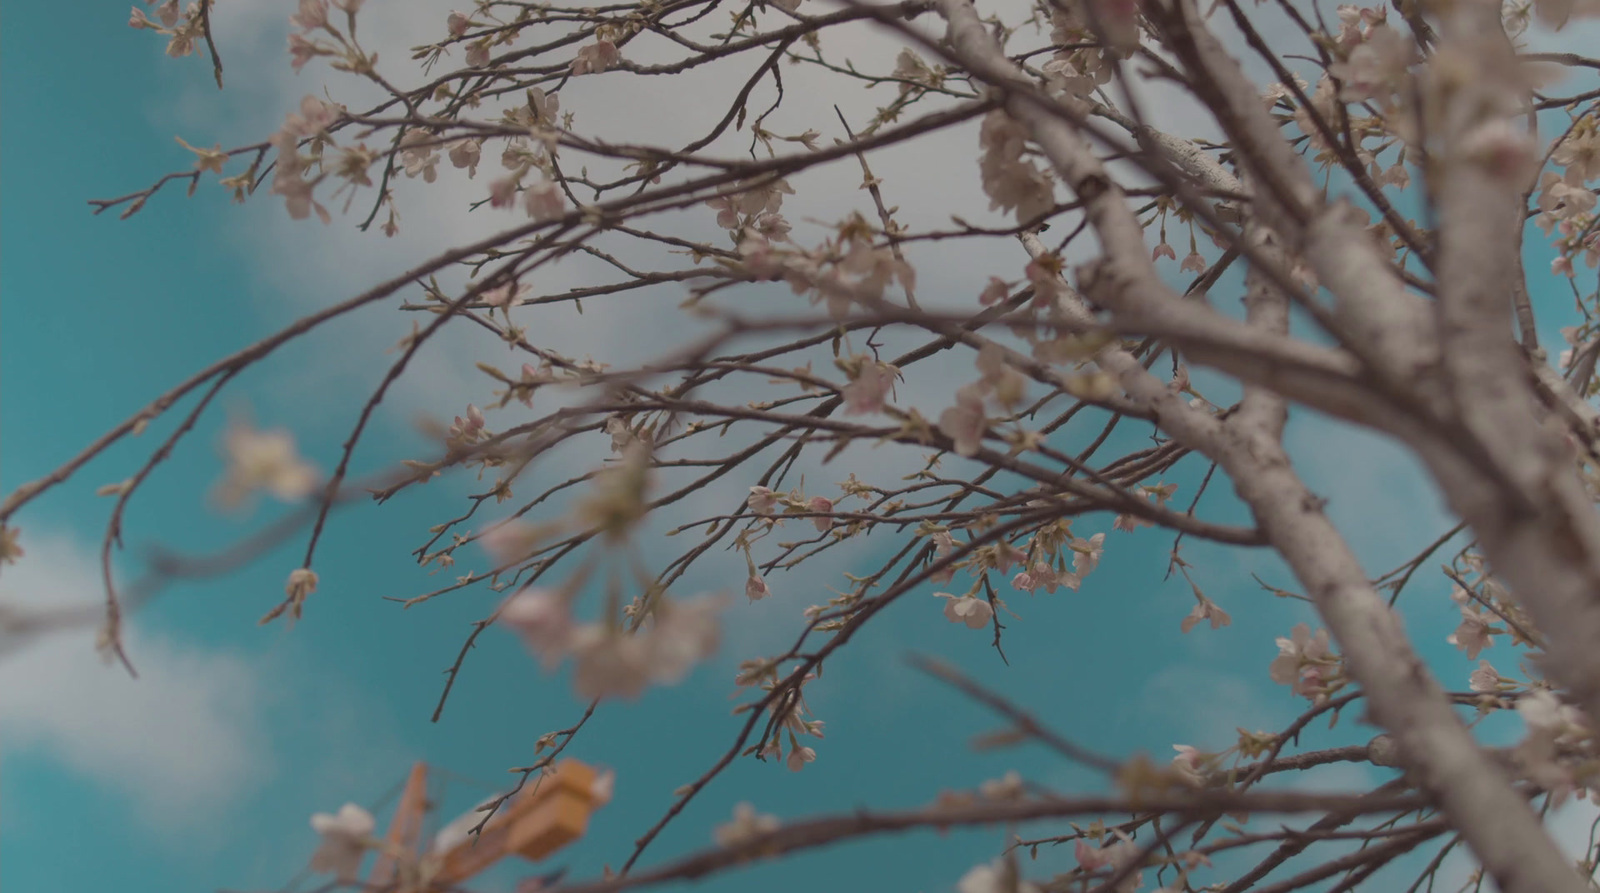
(201, 774)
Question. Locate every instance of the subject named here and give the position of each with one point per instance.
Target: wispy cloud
(184, 741)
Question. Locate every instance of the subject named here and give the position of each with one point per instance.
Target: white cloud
(183, 740)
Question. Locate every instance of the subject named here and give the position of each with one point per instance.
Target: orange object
(557, 812)
(550, 812)
(533, 825)
(406, 827)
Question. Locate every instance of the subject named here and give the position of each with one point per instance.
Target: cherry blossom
(1086, 554)
(1579, 153)
(1190, 764)
(1007, 787)
(1473, 634)
(965, 423)
(685, 633)
(1114, 856)
(1307, 663)
(544, 201)
(263, 460)
(821, 504)
(996, 291)
(596, 58)
(762, 500)
(1012, 182)
(747, 825)
(313, 14)
(345, 838)
(999, 876)
(302, 582)
(868, 390)
(908, 66)
(543, 619)
(610, 663)
(1205, 610)
(755, 588)
(969, 609)
(1485, 679)
(1376, 67)
(799, 757)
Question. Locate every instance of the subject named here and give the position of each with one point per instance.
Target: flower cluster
(747, 825)
(1307, 663)
(1010, 179)
(262, 460)
(1083, 61)
(182, 30)
(611, 662)
(1115, 857)
(1557, 730)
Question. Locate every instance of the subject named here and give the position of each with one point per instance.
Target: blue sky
(201, 774)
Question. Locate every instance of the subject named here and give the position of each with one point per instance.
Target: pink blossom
(181, 44)
(301, 51)
(314, 118)
(727, 208)
(799, 757)
(1300, 660)
(747, 824)
(313, 14)
(969, 609)
(457, 23)
(1129, 523)
(1043, 576)
(1115, 856)
(610, 663)
(866, 392)
(478, 54)
(965, 423)
(1086, 554)
(503, 192)
(755, 588)
(1189, 763)
(596, 58)
(1206, 609)
(1375, 68)
(686, 632)
(821, 504)
(1472, 636)
(544, 201)
(1005, 555)
(543, 618)
(762, 500)
(1194, 262)
(465, 153)
(998, 876)
(1485, 679)
(996, 291)
(1163, 250)
(502, 297)
(759, 258)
